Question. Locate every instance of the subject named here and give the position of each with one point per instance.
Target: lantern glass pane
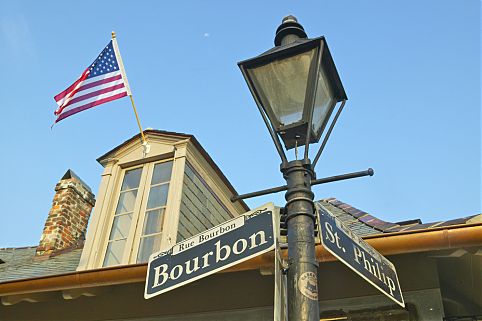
(324, 102)
(282, 86)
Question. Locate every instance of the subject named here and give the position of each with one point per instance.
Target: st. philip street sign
(218, 248)
(358, 255)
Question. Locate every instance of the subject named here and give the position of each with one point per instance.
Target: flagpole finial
(113, 34)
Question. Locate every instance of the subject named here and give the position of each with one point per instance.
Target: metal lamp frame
(323, 60)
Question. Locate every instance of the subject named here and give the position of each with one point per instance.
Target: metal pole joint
(293, 215)
(300, 221)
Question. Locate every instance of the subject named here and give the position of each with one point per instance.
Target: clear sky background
(411, 70)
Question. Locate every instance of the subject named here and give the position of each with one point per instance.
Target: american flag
(103, 81)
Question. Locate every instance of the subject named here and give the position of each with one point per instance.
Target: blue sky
(411, 70)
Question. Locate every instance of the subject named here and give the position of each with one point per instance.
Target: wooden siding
(200, 208)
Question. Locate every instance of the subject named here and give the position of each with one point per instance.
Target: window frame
(131, 249)
(143, 209)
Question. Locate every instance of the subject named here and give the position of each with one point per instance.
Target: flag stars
(106, 62)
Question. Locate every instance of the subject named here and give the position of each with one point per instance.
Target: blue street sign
(358, 255)
(218, 248)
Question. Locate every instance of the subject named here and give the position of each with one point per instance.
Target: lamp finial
(289, 31)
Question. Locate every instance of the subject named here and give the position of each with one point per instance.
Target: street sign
(358, 255)
(218, 248)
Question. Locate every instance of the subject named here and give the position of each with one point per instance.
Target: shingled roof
(21, 263)
(363, 223)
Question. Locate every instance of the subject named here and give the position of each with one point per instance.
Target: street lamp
(295, 84)
(296, 88)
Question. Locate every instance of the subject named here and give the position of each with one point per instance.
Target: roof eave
(450, 237)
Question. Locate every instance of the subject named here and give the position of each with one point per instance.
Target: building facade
(148, 202)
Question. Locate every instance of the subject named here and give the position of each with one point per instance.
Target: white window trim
(109, 220)
(131, 249)
(173, 209)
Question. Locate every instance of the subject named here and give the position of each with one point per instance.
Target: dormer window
(147, 204)
(139, 207)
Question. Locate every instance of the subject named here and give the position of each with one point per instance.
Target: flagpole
(129, 93)
(137, 118)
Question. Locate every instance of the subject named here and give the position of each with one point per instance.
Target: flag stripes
(101, 82)
(90, 105)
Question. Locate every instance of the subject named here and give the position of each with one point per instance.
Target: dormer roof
(173, 137)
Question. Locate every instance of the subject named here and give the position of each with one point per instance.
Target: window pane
(126, 202)
(282, 84)
(148, 245)
(162, 173)
(324, 102)
(153, 221)
(115, 249)
(120, 227)
(132, 179)
(157, 196)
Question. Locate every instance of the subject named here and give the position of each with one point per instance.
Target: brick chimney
(68, 218)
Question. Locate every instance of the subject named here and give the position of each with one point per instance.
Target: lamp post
(296, 88)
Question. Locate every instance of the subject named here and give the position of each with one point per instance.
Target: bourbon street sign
(218, 248)
(358, 255)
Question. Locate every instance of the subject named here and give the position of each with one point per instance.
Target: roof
(363, 223)
(149, 131)
(21, 263)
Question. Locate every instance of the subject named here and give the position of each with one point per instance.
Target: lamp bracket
(368, 172)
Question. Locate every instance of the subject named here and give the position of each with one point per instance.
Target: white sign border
(402, 304)
(265, 208)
